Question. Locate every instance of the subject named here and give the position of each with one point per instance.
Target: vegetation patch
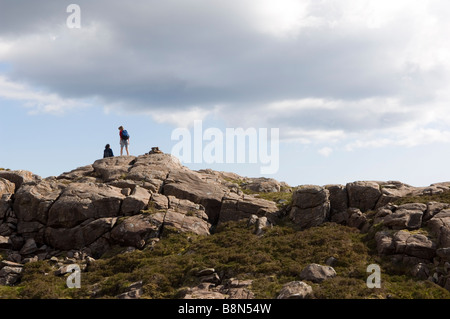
(443, 197)
(233, 251)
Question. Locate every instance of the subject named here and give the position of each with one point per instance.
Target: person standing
(108, 151)
(124, 140)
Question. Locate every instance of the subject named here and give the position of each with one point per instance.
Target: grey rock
(434, 208)
(134, 291)
(439, 225)
(29, 247)
(356, 218)
(113, 168)
(203, 291)
(263, 185)
(420, 271)
(136, 201)
(393, 190)
(196, 222)
(403, 242)
(311, 206)
(338, 199)
(385, 243)
(317, 273)
(236, 207)
(295, 290)
(82, 201)
(10, 275)
(6, 187)
(18, 177)
(187, 184)
(138, 229)
(79, 236)
(33, 201)
(363, 195)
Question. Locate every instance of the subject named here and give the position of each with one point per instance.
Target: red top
(120, 134)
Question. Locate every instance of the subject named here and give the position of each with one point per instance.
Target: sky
(356, 89)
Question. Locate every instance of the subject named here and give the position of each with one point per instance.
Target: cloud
(36, 101)
(325, 151)
(181, 118)
(409, 138)
(339, 71)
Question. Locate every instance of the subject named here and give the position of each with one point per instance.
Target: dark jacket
(108, 153)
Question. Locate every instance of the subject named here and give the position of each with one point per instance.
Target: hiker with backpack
(124, 140)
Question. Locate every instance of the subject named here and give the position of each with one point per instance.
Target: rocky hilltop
(132, 202)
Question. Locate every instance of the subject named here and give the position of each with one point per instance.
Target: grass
(233, 250)
(443, 197)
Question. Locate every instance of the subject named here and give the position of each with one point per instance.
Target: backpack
(125, 135)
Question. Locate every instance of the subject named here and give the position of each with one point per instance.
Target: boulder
(203, 291)
(434, 208)
(436, 188)
(237, 289)
(295, 290)
(136, 201)
(78, 174)
(405, 243)
(34, 230)
(232, 289)
(187, 184)
(363, 195)
(18, 177)
(338, 199)
(310, 206)
(408, 216)
(356, 218)
(159, 201)
(262, 185)
(385, 243)
(186, 216)
(196, 222)
(34, 200)
(420, 246)
(82, 201)
(29, 247)
(394, 190)
(134, 291)
(235, 207)
(439, 225)
(184, 206)
(6, 201)
(6, 187)
(317, 273)
(137, 230)
(10, 275)
(113, 168)
(153, 169)
(420, 271)
(79, 236)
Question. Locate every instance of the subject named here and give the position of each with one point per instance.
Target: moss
(402, 287)
(7, 292)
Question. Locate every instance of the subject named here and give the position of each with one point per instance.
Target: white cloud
(325, 151)
(406, 138)
(180, 118)
(37, 101)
